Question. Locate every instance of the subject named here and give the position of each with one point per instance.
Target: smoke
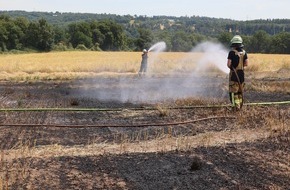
(174, 85)
(214, 55)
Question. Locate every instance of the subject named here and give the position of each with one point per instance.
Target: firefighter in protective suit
(237, 60)
(144, 63)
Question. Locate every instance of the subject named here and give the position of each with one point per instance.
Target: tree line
(134, 33)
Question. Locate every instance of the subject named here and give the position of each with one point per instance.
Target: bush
(96, 47)
(81, 47)
(59, 47)
(16, 51)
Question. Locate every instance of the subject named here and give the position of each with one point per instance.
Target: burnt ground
(250, 151)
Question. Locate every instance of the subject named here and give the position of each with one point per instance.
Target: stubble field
(85, 120)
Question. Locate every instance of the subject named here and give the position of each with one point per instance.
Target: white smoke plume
(213, 53)
(151, 89)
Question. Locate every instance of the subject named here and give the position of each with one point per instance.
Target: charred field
(122, 141)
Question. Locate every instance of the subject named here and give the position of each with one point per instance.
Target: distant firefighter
(237, 60)
(144, 63)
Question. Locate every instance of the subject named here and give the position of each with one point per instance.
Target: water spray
(155, 89)
(155, 49)
(158, 47)
(213, 53)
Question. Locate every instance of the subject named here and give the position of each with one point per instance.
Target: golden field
(80, 64)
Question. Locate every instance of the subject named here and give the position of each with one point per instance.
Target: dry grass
(162, 143)
(70, 65)
(15, 165)
(268, 62)
(58, 65)
(78, 64)
(273, 87)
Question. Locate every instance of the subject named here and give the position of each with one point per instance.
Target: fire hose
(134, 109)
(119, 125)
(122, 109)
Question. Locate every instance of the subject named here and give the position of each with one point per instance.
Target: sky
(237, 10)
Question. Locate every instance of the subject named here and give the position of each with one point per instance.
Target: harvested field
(180, 146)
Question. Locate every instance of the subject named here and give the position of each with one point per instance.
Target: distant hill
(203, 25)
(46, 31)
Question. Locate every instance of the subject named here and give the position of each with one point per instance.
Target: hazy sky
(238, 9)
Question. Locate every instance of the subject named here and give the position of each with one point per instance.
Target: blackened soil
(262, 164)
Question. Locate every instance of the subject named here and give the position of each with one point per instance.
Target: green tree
(80, 33)
(225, 38)
(281, 43)
(145, 39)
(111, 35)
(3, 36)
(32, 35)
(21, 31)
(46, 36)
(247, 42)
(59, 35)
(196, 38)
(98, 37)
(181, 42)
(40, 35)
(15, 36)
(164, 36)
(260, 42)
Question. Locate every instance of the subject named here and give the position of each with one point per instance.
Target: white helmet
(237, 41)
(144, 50)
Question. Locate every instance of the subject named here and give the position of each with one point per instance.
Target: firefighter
(144, 62)
(237, 60)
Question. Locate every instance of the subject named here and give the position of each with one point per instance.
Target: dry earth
(233, 150)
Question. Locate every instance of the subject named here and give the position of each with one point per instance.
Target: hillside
(203, 25)
(46, 31)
